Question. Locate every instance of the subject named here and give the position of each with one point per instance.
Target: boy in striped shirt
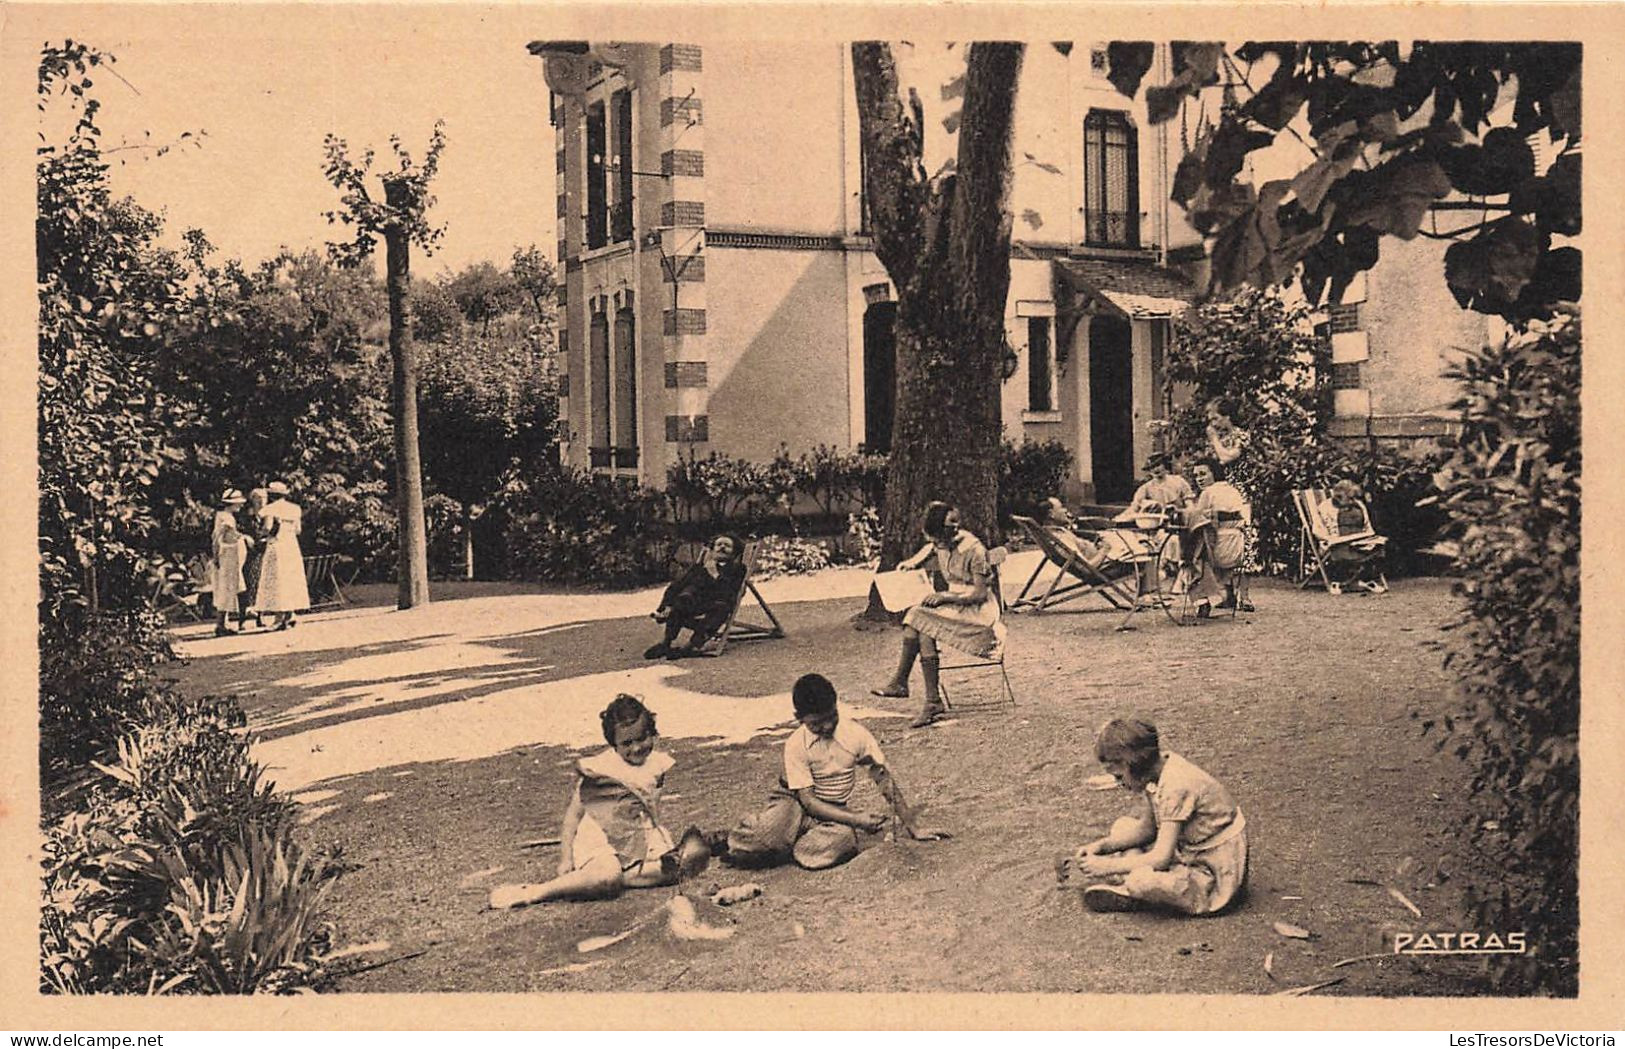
(807, 815)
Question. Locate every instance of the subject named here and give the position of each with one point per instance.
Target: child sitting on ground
(807, 818)
(1185, 849)
(611, 838)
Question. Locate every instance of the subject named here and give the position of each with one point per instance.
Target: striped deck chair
(1315, 541)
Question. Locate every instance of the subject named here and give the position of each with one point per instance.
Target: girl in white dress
(282, 574)
(230, 550)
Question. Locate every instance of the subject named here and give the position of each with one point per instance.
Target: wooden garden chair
(1074, 577)
(321, 579)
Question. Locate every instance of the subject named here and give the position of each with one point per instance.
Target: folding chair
(995, 557)
(1315, 540)
(175, 594)
(1084, 578)
(736, 629)
(322, 582)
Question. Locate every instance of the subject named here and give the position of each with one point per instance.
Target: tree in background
(489, 387)
(401, 219)
(945, 242)
(1394, 131)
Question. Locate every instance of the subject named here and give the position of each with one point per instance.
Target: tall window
(598, 377)
(620, 216)
(1111, 180)
(626, 388)
(1040, 366)
(597, 206)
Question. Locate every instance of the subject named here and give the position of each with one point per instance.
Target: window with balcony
(1111, 180)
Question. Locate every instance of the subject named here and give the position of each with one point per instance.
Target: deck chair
(322, 582)
(1315, 540)
(177, 594)
(736, 629)
(995, 557)
(1074, 577)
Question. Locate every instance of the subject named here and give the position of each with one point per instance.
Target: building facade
(720, 291)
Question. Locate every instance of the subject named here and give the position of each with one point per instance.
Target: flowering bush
(1512, 491)
(788, 555)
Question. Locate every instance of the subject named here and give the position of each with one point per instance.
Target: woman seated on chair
(1162, 490)
(701, 600)
(965, 616)
(1353, 541)
(1214, 539)
(1107, 553)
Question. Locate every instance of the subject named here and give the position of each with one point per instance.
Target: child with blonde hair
(1183, 849)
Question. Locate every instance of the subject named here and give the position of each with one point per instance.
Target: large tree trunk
(945, 242)
(412, 535)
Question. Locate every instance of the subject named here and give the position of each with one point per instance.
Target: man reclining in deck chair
(701, 600)
(1107, 552)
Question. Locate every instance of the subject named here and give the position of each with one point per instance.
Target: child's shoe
(657, 651)
(1109, 898)
(1334, 588)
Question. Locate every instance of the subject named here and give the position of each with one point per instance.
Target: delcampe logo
(1460, 943)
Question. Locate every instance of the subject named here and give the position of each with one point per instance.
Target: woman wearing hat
(1163, 490)
(230, 550)
(282, 574)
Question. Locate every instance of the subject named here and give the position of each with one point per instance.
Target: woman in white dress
(230, 550)
(282, 574)
(965, 616)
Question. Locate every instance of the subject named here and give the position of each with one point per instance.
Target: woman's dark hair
(1225, 407)
(812, 694)
(1213, 465)
(1131, 741)
(936, 512)
(625, 710)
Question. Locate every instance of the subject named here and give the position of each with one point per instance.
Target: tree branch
(895, 182)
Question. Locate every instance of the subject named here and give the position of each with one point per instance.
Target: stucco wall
(777, 347)
(1415, 329)
(773, 153)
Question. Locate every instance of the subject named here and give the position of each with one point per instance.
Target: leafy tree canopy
(1398, 140)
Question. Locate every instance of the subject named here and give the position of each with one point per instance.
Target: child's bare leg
(647, 875)
(599, 876)
(1179, 888)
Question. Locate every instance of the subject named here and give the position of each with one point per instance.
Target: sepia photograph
(567, 501)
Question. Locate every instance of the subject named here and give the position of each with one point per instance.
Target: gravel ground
(432, 745)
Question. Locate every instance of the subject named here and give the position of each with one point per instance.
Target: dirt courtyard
(434, 747)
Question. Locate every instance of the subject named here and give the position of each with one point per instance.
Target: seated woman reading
(1162, 490)
(1354, 543)
(701, 600)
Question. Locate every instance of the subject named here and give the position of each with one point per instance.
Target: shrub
(95, 683)
(863, 533)
(1512, 490)
(1030, 473)
(181, 873)
(714, 488)
(567, 525)
(788, 555)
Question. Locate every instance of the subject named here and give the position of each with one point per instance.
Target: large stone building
(720, 290)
